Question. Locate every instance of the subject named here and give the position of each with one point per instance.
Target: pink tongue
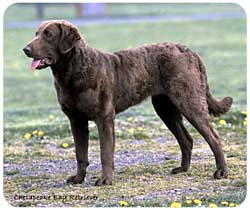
(35, 64)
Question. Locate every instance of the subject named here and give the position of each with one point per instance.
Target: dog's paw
(103, 181)
(179, 170)
(75, 179)
(221, 173)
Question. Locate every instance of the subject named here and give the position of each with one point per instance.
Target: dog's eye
(48, 34)
(36, 33)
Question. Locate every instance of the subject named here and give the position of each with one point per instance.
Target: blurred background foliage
(34, 11)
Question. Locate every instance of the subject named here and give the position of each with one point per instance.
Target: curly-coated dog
(95, 85)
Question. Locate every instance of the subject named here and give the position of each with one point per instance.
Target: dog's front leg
(107, 141)
(79, 127)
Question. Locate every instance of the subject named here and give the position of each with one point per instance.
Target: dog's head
(52, 39)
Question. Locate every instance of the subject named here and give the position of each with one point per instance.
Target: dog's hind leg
(202, 124)
(173, 120)
(193, 105)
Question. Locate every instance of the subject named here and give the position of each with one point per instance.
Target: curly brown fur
(95, 85)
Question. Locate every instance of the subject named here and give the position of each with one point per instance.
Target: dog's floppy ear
(69, 37)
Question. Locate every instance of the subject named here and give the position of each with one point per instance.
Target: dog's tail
(215, 107)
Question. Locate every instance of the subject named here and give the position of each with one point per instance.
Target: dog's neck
(62, 70)
(76, 63)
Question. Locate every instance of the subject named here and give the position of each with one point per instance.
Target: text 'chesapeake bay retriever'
(95, 85)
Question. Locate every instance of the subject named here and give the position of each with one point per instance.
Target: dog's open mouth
(40, 63)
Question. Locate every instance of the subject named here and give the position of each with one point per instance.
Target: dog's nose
(27, 50)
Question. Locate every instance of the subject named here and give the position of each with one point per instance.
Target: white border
(6, 3)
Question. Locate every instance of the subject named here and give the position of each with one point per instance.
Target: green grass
(223, 50)
(24, 12)
(29, 99)
(151, 182)
(31, 96)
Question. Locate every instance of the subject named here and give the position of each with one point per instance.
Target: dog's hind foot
(103, 181)
(221, 173)
(75, 179)
(179, 170)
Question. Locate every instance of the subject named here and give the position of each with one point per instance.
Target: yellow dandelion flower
(65, 145)
(244, 112)
(225, 203)
(27, 136)
(78, 206)
(40, 133)
(140, 129)
(232, 205)
(131, 130)
(189, 202)
(197, 202)
(212, 205)
(35, 132)
(175, 205)
(244, 122)
(223, 122)
(123, 203)
(130, 119)
(51, 116)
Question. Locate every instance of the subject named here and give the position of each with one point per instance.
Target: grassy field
(145, 151)
(20, 12)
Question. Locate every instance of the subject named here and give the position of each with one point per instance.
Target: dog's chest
(88, 102)
(85, 102)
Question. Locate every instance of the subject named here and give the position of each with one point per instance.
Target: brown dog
(93, 85)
